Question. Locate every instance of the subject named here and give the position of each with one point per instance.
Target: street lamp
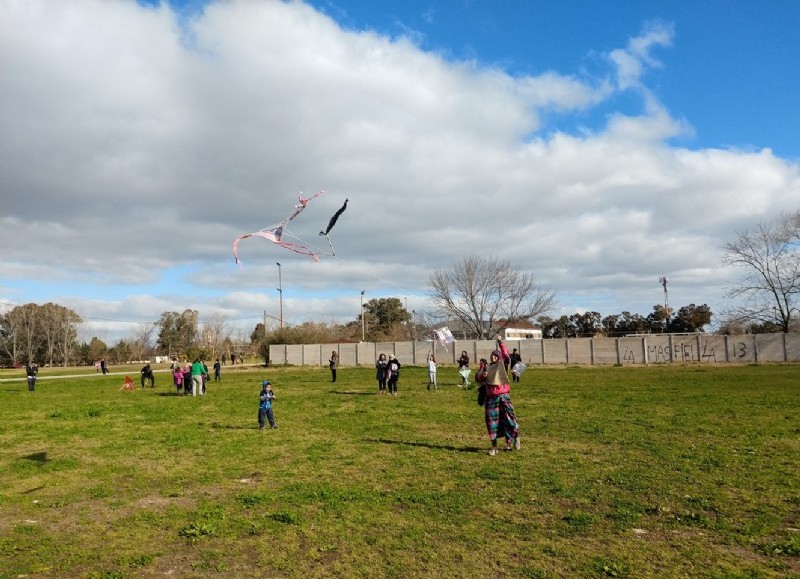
(280, 292)
(362, 315)
(663, 281)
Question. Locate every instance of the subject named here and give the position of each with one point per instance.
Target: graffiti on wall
(691, 351)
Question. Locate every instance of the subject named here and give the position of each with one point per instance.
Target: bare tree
(215, 334)
(58, 325)
(142, 341)
(11, 338)
(769, 258)
(480, 292)
(25, 333)
(69, 334)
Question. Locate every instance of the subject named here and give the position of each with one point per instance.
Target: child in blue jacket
(265, 406)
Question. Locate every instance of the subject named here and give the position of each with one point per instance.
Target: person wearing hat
(265, 406)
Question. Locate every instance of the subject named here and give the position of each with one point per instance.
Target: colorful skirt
(500, 417)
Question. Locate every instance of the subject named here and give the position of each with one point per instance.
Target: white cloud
(134, 149)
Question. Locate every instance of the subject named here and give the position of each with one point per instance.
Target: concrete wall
(652, 349)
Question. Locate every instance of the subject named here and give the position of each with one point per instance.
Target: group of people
(101, 366)
(192, 378)
(388, 374)
(494, 392)
(234, 357)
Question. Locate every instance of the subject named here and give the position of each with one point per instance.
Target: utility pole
(362, 315)
(663, 281)
(280, 294)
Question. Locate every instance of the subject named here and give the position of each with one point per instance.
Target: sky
(597, 145)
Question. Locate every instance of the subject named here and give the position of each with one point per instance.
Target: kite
(444, 336)
(276, 233)
(331, 223)
(518, 369)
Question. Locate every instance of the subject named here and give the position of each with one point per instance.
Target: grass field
(665, 471)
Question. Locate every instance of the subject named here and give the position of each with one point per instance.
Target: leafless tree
(58, 326)
(215, 334)
(480, 292)
(24, 325)
(769, 259)
(142, 341)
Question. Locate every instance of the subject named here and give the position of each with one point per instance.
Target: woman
(333, 363)
(381, 365)
(499, 411)
(393, 375)
(463, 368)
(432, 371)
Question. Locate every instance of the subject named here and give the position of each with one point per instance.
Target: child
(431, 371)
(177, 377)
(393, 375)
(265, 406)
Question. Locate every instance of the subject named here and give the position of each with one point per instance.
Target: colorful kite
(276, 233)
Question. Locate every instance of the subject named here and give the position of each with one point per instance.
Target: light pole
(280, 293)
(663, 281)
(362, 315)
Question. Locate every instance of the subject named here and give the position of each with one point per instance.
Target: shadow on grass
(470, 449)
(221, 426)
(352, 393)
(37, 457)
(33, 490)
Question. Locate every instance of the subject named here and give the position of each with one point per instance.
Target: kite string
(334, 256)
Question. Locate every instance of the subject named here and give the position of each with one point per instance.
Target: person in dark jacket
(147, 374)
(31, 369)
(265, 413)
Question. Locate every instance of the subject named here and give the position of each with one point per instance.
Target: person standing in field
(432, 371)
(206, 376)
(31, 369)
(177, 377)
(197, 377)
(333, 364)
(217, 370)
(501, 420)
(463, 368)
(393, 375)
(381, 366)
(515, 359)
(187, 378)
(265, 413)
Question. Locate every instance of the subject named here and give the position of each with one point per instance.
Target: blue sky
(729, 69)
(621, 141)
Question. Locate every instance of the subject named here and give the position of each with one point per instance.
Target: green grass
(668, 471)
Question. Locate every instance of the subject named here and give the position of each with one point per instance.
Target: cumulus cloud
(136, 144)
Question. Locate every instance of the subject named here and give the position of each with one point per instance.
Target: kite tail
(334, 219)
(236, 249)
